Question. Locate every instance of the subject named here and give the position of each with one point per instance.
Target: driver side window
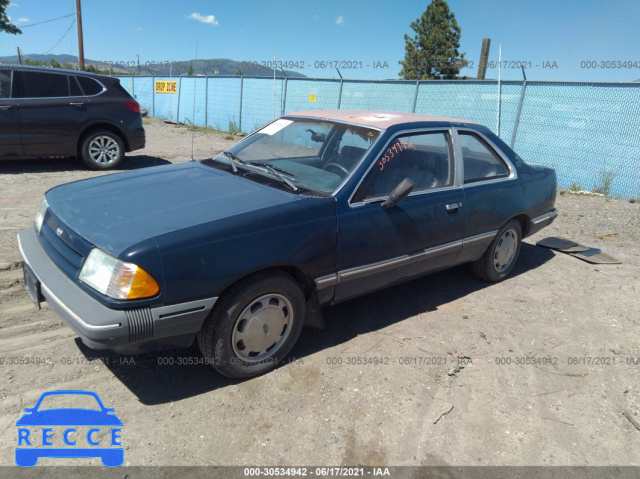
(424, 158)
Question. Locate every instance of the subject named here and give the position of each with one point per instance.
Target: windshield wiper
(277, 172)
(232, 159)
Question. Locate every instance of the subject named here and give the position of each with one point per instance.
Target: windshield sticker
(275, 127)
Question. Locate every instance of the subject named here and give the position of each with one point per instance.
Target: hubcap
(104, 150)
(505, 250)
(262, 328)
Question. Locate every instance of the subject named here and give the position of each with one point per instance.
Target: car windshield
(64, 401)
(304, 153)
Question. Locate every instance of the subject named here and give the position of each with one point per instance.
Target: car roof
(51, 70)
(375, 118)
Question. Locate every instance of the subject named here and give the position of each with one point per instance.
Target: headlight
(42, 210)
(115, 278)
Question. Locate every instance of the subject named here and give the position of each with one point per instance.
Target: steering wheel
(338, 167)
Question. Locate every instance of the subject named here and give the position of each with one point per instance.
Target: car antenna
(193, 116)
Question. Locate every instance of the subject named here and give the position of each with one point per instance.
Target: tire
(102, 150)
(253, 326)
(501, 255)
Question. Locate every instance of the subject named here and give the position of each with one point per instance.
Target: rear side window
(120, 88)
(90, 86)
(44, 85)
(481, 162)
(5, 83)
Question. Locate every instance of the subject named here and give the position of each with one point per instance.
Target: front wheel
(102, 150)
(253, 326)
(501, 255)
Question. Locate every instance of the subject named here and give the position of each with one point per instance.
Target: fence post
(415, 97)
(179, 93)
(133, 87)
(153, 96)
(206, 100)
(518, 113)
(340, 94)
(284, 96)
(241, 90)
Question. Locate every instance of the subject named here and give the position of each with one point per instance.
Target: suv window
(74, 88)
(5, 83)
(424, 158)
(481, 162)
(44, 85)
(89, 85)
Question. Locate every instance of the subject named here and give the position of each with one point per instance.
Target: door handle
(76, 103)
(453, 207)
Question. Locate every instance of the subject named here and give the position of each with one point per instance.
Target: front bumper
(99, 327)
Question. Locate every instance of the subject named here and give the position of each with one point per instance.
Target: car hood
(115, 212)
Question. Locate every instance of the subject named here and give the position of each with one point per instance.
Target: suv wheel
(102, 150)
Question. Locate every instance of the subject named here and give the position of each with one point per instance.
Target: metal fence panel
(223, 103)
(378, 95)
(589, 132)
(261, 102)
(309, 94)
(191, 94)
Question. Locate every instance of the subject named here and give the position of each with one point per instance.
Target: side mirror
(399, 193)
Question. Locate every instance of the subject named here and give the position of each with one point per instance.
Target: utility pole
(80, 40)
(19, 56)
(484, 58)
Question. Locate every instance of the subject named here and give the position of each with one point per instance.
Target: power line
(62, 38)
(46, 21)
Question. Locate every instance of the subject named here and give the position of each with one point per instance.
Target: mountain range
(210, 67)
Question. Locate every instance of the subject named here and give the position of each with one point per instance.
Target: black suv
(50, 112)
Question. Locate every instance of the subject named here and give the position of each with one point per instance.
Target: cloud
(340, 20)
(139, 29)
(12, 4)
(210, 19)
(20, 20)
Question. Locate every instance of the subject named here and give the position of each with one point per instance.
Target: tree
(190, 71)
(433, 52)
(5, 24)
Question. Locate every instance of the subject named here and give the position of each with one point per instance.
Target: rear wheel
(102, 150)
(253, 326)
(501, 255)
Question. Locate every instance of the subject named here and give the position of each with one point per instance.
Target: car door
(53, 111)
(378, 247)
(10, 142)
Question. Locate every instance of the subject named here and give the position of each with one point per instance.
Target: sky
(556, 40)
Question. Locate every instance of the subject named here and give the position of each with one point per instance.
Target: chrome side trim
(547, 216)
(359, 271)
(326, 281)
(480, 237)
(372, 268)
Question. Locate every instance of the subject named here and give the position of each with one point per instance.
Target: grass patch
(605, 181)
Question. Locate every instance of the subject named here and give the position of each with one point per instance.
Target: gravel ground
(579, 322)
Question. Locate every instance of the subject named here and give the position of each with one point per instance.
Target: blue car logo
(69, 432)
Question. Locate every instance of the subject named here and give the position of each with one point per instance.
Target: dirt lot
(580, 320)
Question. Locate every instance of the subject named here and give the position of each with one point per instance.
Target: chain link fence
(588, 132)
